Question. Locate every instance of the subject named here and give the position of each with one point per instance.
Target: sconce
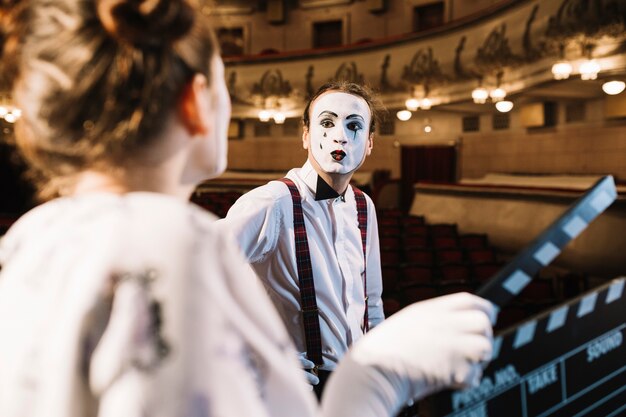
(590, 68)
(497, 94)
(279, 118)
(265, 115)
(271, 93)
(8, 112)
(480, 95)
(272, 109)
(404, 115)
(412, 104)
(426, 103)
(504, 106)
(614, 87)
(561, 69)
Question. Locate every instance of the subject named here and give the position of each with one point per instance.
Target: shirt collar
(320, 188)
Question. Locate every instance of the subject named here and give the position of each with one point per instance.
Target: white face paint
(338, 137)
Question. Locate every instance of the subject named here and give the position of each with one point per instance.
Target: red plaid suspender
(308, 302)
(361, 209)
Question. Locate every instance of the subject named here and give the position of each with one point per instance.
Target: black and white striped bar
(568, 362)
(514, 276)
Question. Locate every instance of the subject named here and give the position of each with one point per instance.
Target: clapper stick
(569, 361)
(517, 274)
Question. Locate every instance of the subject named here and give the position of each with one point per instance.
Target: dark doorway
(435, 163)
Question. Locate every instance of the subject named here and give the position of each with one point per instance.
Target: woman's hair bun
(146, 23)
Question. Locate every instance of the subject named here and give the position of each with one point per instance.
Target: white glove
(428, 346)
(307, 365)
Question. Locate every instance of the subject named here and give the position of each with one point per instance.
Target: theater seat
(455, 272)
(449, 256)
(481, 255)
(413, 273)
(483, 272)
(473, 240)
(419, 292)
(419, 256)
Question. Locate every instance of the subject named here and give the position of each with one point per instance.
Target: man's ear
(370, 144)
(195, 106)
(306, 137)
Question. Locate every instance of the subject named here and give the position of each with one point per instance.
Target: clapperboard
(567, 362)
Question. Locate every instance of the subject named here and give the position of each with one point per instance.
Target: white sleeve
(431, 345)
(254, 221)
(374, 275)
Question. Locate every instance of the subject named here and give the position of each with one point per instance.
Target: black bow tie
(323, 191)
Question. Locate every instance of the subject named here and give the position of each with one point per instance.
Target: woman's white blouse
(136, 305)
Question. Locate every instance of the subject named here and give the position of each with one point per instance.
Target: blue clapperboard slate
(569, 361)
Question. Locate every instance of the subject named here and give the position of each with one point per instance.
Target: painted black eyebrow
(328, 112)
(352, 116)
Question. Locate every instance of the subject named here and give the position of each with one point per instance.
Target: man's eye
(354, 126)
(327, 124)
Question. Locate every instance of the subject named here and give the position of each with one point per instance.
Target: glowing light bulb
(279, 118)
(613, 87)
(10, 117)
(404, 115)
(265, 115)
(589, 69)
(480, 95)
(497, 94)
(412, 104)
(561, 70)
(504, 106)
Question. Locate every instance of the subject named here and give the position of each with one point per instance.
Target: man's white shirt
(262, 221)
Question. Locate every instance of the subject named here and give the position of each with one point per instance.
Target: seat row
(429, 256)
(216, 202)
(545, 291)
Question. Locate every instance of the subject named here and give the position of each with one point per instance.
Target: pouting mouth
(338, 155)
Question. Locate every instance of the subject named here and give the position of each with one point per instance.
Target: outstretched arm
(428, 346)
(254, 221)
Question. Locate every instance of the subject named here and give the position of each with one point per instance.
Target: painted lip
(338, 155)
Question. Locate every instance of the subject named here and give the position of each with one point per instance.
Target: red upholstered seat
(419, 255)
(481, 255)
(449, 256)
